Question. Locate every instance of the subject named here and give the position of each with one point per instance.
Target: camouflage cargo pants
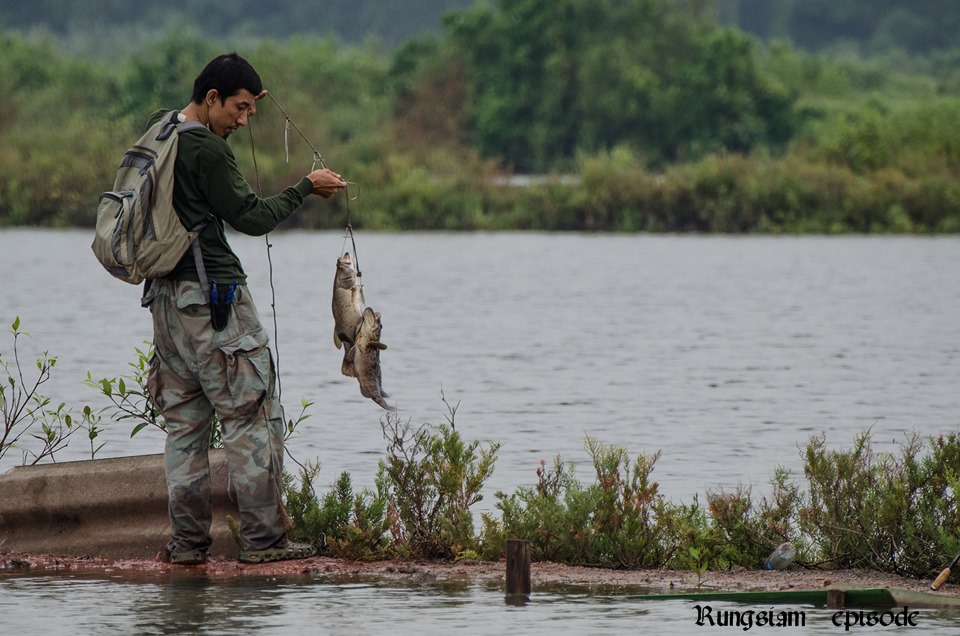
(195, 372)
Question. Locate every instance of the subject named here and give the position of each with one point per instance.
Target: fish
(348, 305)
(365, 358)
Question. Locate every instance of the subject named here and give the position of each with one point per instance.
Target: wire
(273, 289)
(286, 130)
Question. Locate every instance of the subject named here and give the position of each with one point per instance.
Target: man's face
(226, 117)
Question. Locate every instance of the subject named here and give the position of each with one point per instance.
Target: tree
(550, 79)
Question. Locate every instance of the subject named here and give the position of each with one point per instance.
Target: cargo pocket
(154, 384)
(249, 372)
(191, 299)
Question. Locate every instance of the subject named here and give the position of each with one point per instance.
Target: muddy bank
(542, 574)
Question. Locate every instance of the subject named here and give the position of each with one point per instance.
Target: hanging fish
(365, 358)
(347, 307)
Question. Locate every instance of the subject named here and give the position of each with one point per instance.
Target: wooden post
(836, 599)
(518, 567)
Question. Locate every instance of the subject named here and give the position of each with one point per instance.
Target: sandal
(186, 557)
(283, 552)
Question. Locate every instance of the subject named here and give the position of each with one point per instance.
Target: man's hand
(326, 182)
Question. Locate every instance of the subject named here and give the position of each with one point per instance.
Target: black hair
(228, 74)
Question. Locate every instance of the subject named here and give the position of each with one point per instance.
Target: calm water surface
(186, 605)
(724, 353)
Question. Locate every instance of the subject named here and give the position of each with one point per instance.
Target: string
(273, 290)
(286, 131)
(317, 158)
(353, 242)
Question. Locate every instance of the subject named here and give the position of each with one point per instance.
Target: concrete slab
(104, 507)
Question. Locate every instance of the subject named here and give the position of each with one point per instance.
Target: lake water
(724, 353)
(41, 606)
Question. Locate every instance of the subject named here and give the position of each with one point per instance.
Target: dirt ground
(541, 574)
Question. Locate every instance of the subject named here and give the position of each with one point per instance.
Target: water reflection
(128, 603)
(186, 605)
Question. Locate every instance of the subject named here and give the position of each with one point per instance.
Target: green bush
(346, 525)
(876, 510)
(859, 509)
(621, 520)
(432, 477)
(745, 532)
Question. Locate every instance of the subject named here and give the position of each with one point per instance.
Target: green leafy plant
(551, 516)
(431, 477)
(130, 401)
(128, 394)
(27, 413)
(292, 424)
(859, 508)
(91, 424)
(888, 512)
(745, 530)
(620, 520)
(698, 560)
(345, 524)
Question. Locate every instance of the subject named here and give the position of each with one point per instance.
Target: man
(211, 352)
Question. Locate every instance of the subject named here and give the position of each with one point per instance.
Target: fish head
(370, 325)
(346, 272)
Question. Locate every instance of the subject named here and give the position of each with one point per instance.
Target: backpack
(138, 234)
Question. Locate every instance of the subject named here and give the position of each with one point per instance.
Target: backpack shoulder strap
(198, 255)
(191, 124)
(169, 123)
(166, 125)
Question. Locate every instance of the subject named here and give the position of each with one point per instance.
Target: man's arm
(236, 203)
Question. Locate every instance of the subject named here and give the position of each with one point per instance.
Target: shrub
(431, 479)
(26, 413)
(347, 525)
(621, 520)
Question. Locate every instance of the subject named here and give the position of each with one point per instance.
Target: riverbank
(421, 572)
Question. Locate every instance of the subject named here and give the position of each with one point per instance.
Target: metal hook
(354, 198)
(316, 158)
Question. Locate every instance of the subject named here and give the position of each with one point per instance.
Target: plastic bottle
(780, 558)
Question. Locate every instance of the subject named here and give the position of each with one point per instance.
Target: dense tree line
(918, 26)
(668, 120)
(872, 26)
(549, 80)
(349, 20)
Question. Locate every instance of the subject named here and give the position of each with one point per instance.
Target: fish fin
(383, 403)
(380, 381)
(347, 367)
(376, 344)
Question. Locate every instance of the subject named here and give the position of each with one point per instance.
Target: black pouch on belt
(221, 297)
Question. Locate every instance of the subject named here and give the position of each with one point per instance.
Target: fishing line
(286, 133)
(273, 290)
(349, 233)
(276, 331)
(317, 158)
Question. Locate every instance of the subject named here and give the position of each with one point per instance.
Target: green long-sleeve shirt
(207, 181)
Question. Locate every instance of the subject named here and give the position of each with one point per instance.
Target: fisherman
(211, 353)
